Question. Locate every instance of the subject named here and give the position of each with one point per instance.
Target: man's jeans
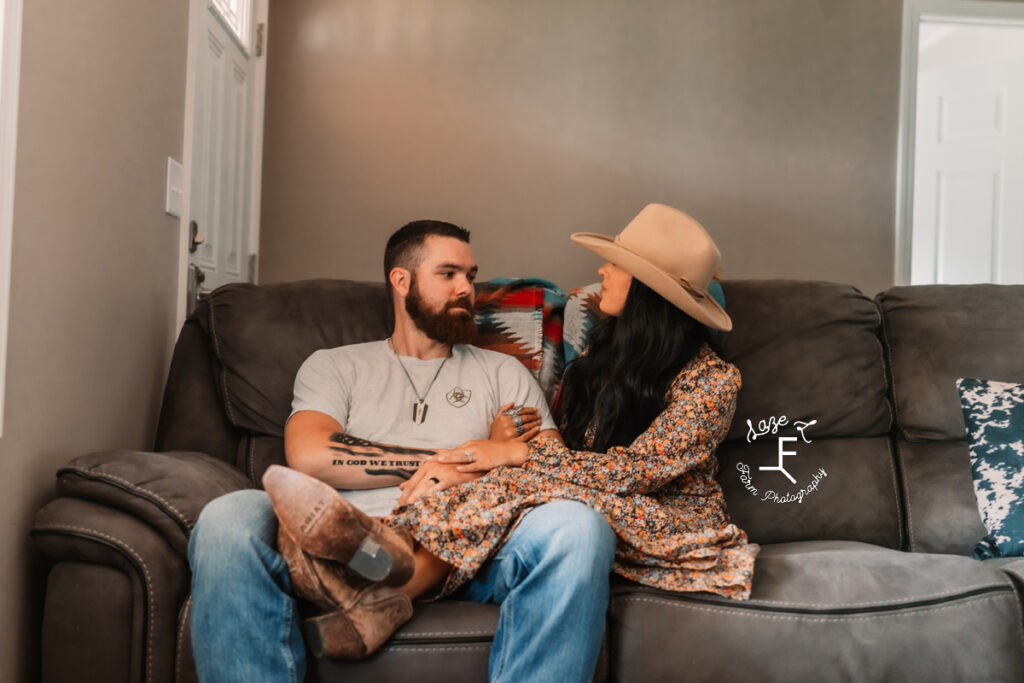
(550, 577)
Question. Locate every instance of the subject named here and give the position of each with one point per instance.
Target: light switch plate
(174, 190)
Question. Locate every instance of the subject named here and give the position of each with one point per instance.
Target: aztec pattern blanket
(582, 312)
(523, 318)
(538, 323)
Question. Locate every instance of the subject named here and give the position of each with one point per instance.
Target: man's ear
(400, 279)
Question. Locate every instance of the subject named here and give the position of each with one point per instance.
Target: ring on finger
(435, 480)
(469, 455)
(517, 420)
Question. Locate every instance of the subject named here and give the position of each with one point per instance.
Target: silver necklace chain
(419, 409)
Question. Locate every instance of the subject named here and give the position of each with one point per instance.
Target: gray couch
(864, 576)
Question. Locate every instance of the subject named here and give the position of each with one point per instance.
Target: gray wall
(773, 123)
(94, 262)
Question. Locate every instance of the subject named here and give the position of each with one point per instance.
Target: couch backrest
(237, 357)
(812, 352)
(809, 353)
(935, 334)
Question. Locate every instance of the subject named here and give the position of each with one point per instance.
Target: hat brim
(705, 310)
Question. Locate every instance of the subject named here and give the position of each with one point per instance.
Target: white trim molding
(10, 70)
(914, 13)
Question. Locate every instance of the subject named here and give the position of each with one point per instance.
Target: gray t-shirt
(364, 388)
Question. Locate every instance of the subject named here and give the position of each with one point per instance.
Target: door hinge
(259, 38)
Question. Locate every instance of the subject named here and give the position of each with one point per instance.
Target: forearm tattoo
(353, 445)
(378, 466)
(401, 473)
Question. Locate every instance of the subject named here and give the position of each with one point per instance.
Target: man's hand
(504, 426)
(433, 476)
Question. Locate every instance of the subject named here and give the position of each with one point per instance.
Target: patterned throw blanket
(538, 323)
(582, 312)
(523, 318)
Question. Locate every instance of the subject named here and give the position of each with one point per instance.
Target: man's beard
(444, 327)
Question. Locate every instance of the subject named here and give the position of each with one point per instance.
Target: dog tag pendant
(419, 412)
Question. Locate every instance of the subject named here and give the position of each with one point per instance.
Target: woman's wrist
(521, 454)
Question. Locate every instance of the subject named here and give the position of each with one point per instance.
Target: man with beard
(366, 418)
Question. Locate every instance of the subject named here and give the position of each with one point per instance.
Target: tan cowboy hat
(672, 254)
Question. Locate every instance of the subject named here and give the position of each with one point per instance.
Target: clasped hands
(472, 459)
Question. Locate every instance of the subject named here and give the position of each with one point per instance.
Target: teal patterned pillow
(994, 415)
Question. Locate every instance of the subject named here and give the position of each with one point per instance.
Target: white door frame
(914, 11)
(10, 48)
(196, 42)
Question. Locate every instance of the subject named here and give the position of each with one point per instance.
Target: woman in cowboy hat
(642, 413)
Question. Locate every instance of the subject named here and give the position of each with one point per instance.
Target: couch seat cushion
(828, 610)
(447, 640)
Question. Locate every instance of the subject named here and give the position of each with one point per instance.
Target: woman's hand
(483, 456)
(432, 476)
(507, 428)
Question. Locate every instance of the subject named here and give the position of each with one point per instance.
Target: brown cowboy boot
(327, 526)
(361, 615)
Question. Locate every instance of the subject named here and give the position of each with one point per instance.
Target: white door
(968, 223)
(227, 117)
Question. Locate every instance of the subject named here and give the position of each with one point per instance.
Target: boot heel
(333, 635)
(357, 631)
(371, 561)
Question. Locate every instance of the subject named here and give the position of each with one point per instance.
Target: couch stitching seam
(928, 596)
(421, 634)
(148, 581)
(1020, 620)
(892, 422)
(397, 649)
(181, 637)
(895, 490)
(250, 465)
(223, 369)
(892, 371)
(881, 355)
(745, 612)
(114, 477)
(894, 413)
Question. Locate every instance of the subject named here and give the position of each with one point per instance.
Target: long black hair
(620, 383)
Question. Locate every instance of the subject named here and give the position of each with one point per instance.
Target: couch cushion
(828, 611)
(938, 333)
(262, 334)
(942, 513)
(845, 489)
(994, 413)
(444, 641)
(809, 351)
(257, 452)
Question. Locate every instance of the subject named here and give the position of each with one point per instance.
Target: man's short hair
(404, 249)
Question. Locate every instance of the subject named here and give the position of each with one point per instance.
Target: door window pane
(237, 15)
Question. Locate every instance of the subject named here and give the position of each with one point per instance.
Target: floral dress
(658, 494)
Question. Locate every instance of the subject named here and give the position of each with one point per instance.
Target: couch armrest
(113, 597)
(165, 490)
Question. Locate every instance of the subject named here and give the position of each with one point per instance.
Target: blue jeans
(550, 578)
